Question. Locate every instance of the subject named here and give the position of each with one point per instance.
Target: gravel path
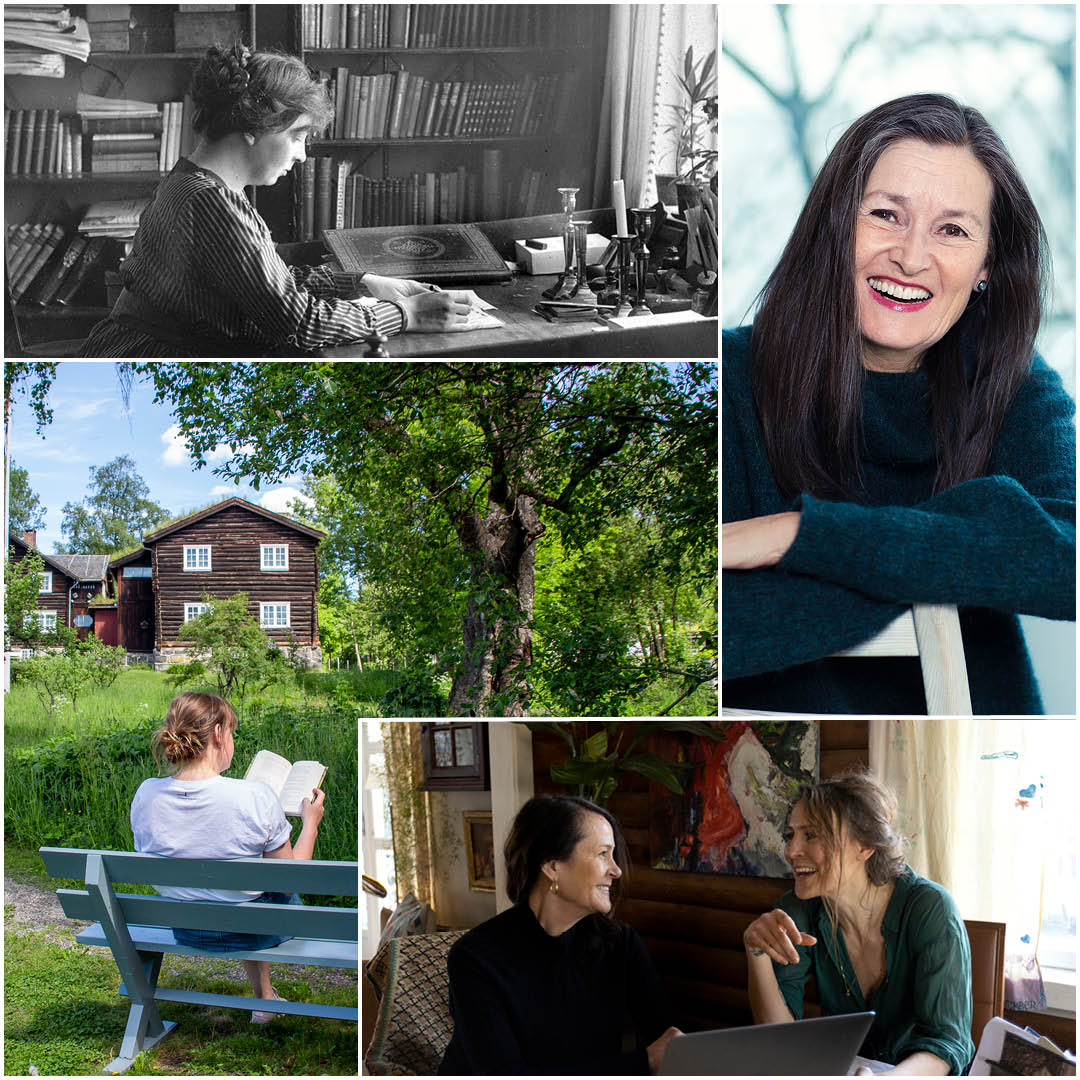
(38, 910)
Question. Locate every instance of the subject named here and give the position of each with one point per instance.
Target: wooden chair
(138, 929)
(932, 633)
(987, 941)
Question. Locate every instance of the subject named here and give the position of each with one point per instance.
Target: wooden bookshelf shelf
(32, 312)
(455, 50)
(189, 56)
(439, 140)
(85, 178)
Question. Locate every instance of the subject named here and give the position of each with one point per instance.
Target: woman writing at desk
(204, 277)
(890, 437)
(874, 934)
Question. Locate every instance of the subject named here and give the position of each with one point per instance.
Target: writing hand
(760, 541)
(436, 312)
(397, 289)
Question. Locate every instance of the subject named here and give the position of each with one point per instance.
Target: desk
(528, 334)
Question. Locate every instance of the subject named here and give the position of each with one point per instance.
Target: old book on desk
(443, 254)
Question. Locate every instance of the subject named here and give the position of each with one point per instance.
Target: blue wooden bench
(138, 928)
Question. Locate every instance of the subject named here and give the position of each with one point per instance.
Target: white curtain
(973, 798)
(629, 111)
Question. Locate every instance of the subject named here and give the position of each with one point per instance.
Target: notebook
(823, 1047)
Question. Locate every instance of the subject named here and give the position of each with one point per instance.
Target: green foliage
(59, 678)
(597, 758)
(22, 583)
(230, 644)
(32, 378)
(116, 515)
(415, 694)
(24, 507)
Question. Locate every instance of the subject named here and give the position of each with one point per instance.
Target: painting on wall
(732, 815)
(479, 850)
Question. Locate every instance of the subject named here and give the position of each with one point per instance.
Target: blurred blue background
(794, 77)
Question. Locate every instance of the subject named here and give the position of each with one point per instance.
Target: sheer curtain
(973, 799)
(630, 108)
(408, 811)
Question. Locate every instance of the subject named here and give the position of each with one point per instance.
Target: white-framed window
(138, 571)
(46, 621)
(376, 838)
(193, 611)
(197, 557)
(46, 582)
(274, 556)
(275, 616)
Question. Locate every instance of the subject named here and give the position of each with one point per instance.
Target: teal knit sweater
(994, 546)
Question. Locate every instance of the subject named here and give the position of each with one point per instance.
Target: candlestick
(583, 290)
(618, 192)
(643, 222)
(626, 244)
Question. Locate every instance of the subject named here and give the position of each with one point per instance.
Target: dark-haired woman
(204, 277)
(193, 812)
(889, 435)
(552, 985)
(872, 933)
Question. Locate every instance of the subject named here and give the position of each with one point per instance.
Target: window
(46, 621)
(139, 571)
(455, 756)
(193, 611)
(274, 556)
(274, 616)
(46, 582)
(197, 557)
(376, 844)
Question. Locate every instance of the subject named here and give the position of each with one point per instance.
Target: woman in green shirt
(874, 934)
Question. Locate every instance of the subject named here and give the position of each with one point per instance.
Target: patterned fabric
(413, 1028)
(204, 261)
(409, 917)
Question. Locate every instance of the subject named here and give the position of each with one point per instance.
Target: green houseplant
(597, 757)
(692, 116)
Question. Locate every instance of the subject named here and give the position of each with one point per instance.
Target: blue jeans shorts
(230, 940)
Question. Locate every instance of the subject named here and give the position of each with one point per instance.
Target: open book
(290, 783)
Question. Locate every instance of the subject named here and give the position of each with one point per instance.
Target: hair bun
(232, 73)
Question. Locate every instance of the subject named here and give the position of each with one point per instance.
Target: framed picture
(479, 850)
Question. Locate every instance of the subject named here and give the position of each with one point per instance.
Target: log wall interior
(692, 924)
(234, 535)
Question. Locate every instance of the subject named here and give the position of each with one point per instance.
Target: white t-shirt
(216, 818)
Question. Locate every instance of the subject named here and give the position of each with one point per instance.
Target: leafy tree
(24, 507)
(33, 378)
(484, 454)
(116, 515)
(230, 644)
(22, 583)
(59, 679)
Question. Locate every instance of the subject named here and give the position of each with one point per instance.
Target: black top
(527, 1003)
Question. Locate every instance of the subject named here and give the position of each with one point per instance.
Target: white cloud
(278, 500)
(176, 449)
(224, 489)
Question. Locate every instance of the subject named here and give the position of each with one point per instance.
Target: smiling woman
(890, 436)
(204, 278)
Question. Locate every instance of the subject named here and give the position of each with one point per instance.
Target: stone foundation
(162, 659)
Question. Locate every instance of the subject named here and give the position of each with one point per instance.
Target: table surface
(514, 302)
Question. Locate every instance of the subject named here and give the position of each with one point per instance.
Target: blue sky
(91, 428)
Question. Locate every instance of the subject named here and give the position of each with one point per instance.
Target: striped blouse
(204, 262)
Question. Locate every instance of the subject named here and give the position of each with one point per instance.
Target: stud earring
(982, 286)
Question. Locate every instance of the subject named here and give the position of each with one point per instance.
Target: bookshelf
(502, 153)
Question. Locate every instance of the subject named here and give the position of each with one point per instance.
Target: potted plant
(695, 114)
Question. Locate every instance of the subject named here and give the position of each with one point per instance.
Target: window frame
(46, 585)
(264, 604)
(203, 608)
(197, 569)
(273, 548)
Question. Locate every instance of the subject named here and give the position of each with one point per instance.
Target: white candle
(619, 195)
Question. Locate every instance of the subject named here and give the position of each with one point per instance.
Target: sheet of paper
(478, 307)
(272, 769)
(305, 776)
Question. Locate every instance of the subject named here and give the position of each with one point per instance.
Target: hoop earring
(553, 887)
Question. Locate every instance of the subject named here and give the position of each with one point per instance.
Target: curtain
(409, 811)
(972, 797)
(629, 110)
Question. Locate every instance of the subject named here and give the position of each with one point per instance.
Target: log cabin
(68, 583)
(231, 547)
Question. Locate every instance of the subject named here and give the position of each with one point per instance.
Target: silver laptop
(823, 1047)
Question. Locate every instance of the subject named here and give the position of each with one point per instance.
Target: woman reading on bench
(874, 934)
(890, 435)
(196, 813)
(204, 277)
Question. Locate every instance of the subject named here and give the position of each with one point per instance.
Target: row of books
(47, 264)
(401, 105)
(701, 232)
(42, 141)
(438, 26)
(333, 195)
(154, 28)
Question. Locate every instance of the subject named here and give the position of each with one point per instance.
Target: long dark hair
(550, 827)
(807, 346)
(236, 89)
